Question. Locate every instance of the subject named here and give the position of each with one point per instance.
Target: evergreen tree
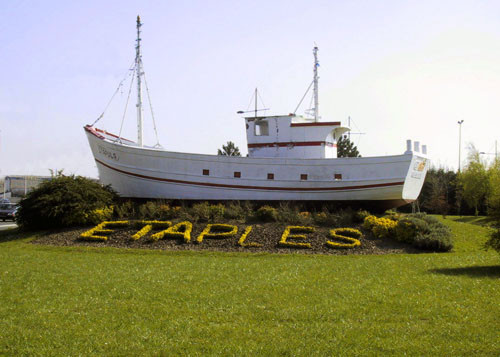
(346, 148)
(230, 149)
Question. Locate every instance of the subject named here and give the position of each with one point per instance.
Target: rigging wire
(261, 100)
(251, 101)
(308, 111)
(152, 114)
(307, 91)
(126, 105)
(113, 96)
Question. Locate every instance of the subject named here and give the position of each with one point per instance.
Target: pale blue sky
(400, 69)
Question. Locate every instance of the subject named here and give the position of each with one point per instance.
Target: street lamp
(491, 153)
(459, 143)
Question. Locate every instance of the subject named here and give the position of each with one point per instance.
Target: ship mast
(316, 101)
(138, 68)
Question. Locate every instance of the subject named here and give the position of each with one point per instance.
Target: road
(7, 225)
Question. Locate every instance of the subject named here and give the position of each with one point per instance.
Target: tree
(474, 181)
(346, 148)
(494, 194)
(230, 149)
(440, 192)
(494, 204)
(434, 193)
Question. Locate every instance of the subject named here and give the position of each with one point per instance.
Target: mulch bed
(267, 234)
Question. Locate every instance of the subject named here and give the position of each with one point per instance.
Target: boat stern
(417, 171)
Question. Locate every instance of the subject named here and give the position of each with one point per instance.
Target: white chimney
(416, 146)
(424, 149)
(408, 145)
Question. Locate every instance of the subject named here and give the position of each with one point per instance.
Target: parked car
(8, 211)
(4, 200)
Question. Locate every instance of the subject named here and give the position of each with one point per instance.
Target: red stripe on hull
(96, 131)
(209, 184)
(292, 143)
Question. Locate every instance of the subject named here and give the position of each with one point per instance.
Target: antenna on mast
(254, 96)
(138, 66)
(316, 101)
(256, 102)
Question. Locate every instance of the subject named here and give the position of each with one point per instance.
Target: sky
(400, 69)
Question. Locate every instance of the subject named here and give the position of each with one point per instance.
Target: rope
(307, 91)
(126, 105)
(151, 108)
(251, 101)
(262, 101)
(113, 96)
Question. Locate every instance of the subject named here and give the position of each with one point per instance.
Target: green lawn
(83, 301)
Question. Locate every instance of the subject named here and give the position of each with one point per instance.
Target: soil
(267, 234)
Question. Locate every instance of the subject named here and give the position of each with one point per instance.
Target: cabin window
(261, 128)
(270, 176)
(303, 177)
(337, 176)
(206, 172)
(237, 174)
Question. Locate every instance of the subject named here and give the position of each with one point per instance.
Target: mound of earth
(266, 234)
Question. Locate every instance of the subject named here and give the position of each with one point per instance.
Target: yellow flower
(288, 234)
(244, 236)
(148, 226)
(180, 230)
(230, 230)
(101, 229)
(346, 235)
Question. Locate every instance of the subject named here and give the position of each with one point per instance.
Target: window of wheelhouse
(261, 127)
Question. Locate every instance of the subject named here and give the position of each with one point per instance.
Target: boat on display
(290, 157)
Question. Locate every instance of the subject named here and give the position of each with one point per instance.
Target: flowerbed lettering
(340, 238)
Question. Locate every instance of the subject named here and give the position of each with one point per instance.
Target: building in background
(17, 186)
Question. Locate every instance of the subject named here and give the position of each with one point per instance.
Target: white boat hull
(153, 173)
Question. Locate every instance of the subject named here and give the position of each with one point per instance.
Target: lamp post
(460, 122)
(491, 153)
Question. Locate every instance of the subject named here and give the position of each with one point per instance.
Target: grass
(470, 233)
(83, 301)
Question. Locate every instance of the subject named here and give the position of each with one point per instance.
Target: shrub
(234, 211)
(419, 230)
(216, 211)
(369, 222)
(383, 228)
(64, 201)
(392, 214)
(101, 214)
(290, 214)
(164, 211)
(267, 214)
(434, 241)
(346, 217)
(408, 227)
(360, 215)
(149, 210)
(201, 212)
(424, 232)
(125, 210)
(205, 212)
(380, 227)
(326, 219)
